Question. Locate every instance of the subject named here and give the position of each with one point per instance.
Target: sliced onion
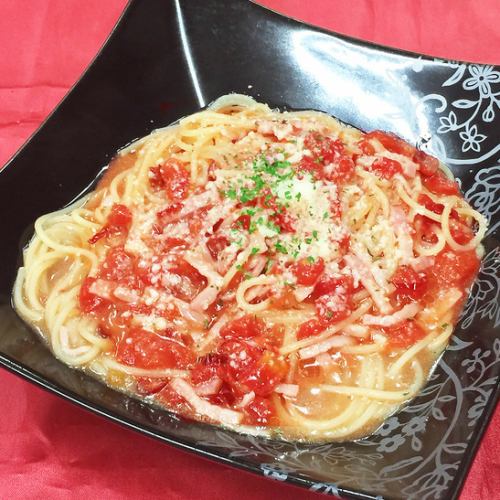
(334, 341)
(406, 312)
(203, 407)
(290, 390)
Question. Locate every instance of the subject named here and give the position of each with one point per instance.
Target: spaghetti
(261, 270)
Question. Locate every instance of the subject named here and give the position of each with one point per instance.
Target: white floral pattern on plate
(448, 396)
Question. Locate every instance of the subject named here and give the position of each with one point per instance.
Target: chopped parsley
(280, 247)
(231, 193)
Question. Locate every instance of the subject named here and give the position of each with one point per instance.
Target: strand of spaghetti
(445, 224)
(144, 372)
(430, 250)
(371, 183)
(371, 408)
(24, 310)
(353, 407)
(243, 256)
(244, 286)
(364, 349)
(74, 355)
(80, 218)
(63, 305)
(410, 354)
(32, 281)
(438, 343)
(362, 309)
(88, 331)
(65, 249)
(379, 394)
(292, 316)
(417, 207)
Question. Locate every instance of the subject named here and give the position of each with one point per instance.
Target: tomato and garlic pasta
(267, 271)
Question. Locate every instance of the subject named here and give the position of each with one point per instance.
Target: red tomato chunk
(307, 272)
(149, 350)
(119, 221)
(386, 168)
(172, 177)
(244, 327)
(404, 334)
(409, 284)
(439, 184)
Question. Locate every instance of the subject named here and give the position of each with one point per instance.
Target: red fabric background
(49, 448)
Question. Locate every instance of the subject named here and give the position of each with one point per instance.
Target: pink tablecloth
(51, 449)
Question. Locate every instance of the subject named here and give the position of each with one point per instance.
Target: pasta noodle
(276, 273)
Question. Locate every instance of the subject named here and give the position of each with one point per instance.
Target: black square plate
(167, 59)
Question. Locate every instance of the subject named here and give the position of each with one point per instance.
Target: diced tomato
(155, 177)
(335, 208)
(460, 232)
(191, 282)
(409, 284)
(260, 412)
(149, 350)
(322, 147)
(424, 229)
(452, 269)
(120, 216)
(242, 222)
(89, 301)
(266, 375)
(425, 200)
(342, 170)
(172, 177)
(283, 220)
(333, 298)
(196, 220)
(334, 307)
(280, 216)
(366, 147)
(170, 210)
(328, 284)
(203, 372)
(216, 244)
(112, 322)
(307, 272)
(344, 244)
(439, 184)
(386, 168)
(427, 163)
(311, 328)
(118, 265)
(328, 160)
(245, 327)
(118, 221)
(225, 396)
(404, 334)
(169, 243)
(392, 143)
(239, 356)
(147, 385)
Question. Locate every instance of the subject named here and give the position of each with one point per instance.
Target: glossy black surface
(167, 59)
